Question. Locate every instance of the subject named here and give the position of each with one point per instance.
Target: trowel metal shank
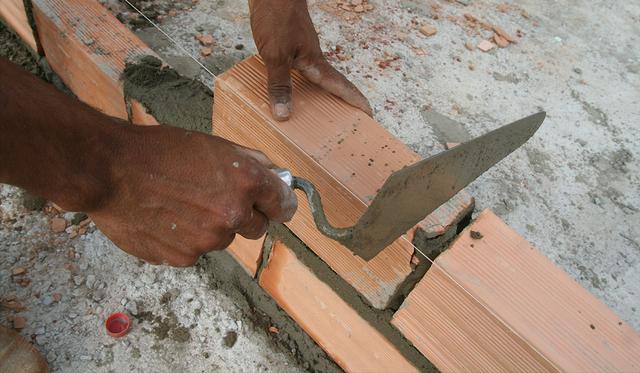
(410, 194)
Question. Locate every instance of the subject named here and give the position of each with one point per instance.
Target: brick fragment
(58, 225)
(428, 30)
(486, 45)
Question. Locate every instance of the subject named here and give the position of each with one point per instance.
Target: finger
(279, 88)
(324, 75)
(275, 199)
(255, 226)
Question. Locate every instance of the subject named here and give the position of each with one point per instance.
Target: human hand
(286, 39)
(161, 193)
(178, 194)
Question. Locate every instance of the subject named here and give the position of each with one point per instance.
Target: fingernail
(281, 110)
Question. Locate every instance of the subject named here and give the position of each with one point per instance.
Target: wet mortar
(171, 98)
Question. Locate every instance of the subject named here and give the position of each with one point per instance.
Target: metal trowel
(412, 193)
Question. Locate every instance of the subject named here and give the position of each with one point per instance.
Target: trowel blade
(409, 195)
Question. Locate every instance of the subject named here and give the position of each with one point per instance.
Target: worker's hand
(176, 195)
(285, 37)
(161, 193)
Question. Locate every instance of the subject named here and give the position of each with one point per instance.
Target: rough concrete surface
(573, 190)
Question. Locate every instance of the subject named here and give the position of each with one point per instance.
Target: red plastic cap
(118, 324)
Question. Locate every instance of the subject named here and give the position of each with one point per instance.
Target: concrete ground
(573, 190)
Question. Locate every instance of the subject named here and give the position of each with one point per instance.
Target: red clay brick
(15, 16)
(518, 312)
(346, 337)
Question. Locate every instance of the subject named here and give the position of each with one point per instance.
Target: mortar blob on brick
(171, 98)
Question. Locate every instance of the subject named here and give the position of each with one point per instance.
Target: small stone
(358, 9)
(78, 279)
(206, 51)
(98, 295)
(239, 324)
(428, 30)
(356, 2)
(72, 315)
(196, 305)
(41, 339)
(47, 300)
(124, 301)
(148, 278)
(19, 271)
(51, 357)
(503, 34)
(91, 281)
(78, 217)
(476, 235)
(58, 225)
(132, 307)
(19, 322)
(86, 358)
(274, 330)
(502, 42)
(205, 40)
(230, 338)
(486, 45)
(39, 331)
(469, 45)
(188, 295)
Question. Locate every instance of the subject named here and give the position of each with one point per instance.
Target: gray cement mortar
(573, 190)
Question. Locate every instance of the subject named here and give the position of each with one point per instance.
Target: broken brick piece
(505, 35)
(498, 304)
(348, 339)
(58, 225)
(206, 51)
(18, 271)
(428, 30)
(486, 45)
(205, 39)
(19, 322)
(500, 41)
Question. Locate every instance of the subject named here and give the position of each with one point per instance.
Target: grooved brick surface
(519, 311)
(345, 153)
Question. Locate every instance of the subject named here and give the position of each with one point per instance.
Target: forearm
(51, 144)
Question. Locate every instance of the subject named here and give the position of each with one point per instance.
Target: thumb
(279, 88)
(324, 75)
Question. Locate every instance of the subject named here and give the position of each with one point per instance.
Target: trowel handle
(285, 175)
